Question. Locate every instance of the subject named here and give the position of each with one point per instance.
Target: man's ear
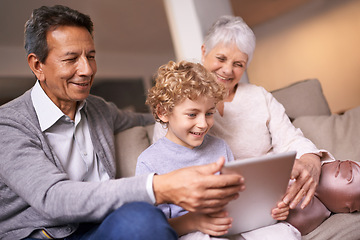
(161, 113)
(36, 66)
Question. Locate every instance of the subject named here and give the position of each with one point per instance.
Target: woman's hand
(215, 224)
(306, 173)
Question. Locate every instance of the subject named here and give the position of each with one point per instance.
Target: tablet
(266, 181)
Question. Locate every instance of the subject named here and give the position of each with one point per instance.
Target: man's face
(69, 69)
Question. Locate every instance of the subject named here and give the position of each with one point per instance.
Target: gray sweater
(35, 192)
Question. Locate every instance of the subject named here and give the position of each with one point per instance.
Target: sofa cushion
(129, 144)
(304, 98)
(339, 134)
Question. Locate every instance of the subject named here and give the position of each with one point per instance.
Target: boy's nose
(202, 123)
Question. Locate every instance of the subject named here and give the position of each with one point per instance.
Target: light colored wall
(189, 20)
(320, 40)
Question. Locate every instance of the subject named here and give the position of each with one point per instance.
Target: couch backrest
(303, 98)
(129, 145)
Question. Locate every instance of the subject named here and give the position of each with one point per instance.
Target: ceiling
(128, 26)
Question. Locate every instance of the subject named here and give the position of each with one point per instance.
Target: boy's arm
(183, 224)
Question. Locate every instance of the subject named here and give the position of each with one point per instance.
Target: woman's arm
(307, 168)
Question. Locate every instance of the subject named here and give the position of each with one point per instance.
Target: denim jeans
(137, 220)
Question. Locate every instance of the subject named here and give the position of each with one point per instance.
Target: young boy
(184, 100)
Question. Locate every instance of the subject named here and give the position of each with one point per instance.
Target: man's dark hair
(46, 19)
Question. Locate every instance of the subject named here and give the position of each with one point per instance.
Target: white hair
(231, 29)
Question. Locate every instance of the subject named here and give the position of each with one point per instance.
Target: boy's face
(190, 121)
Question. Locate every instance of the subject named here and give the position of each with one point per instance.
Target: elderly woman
(250, 119)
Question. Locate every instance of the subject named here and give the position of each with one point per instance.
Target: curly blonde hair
(176, 82)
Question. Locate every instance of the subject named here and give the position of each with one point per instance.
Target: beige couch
(307, 107)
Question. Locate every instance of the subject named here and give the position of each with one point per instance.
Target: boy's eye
(191, 115)
(209, 114)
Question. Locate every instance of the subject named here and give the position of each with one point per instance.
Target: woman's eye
(221, 59)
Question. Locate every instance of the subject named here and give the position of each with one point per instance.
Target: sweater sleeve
(285, 137)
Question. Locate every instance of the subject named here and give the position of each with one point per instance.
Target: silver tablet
(266, 181)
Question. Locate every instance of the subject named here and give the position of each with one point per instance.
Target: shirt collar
(46, 110)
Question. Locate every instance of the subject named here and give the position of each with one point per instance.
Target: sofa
(307, 108)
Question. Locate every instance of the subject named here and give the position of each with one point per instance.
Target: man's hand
(198, 189)
(306, 173)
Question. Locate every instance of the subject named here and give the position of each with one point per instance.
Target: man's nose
(85, 68)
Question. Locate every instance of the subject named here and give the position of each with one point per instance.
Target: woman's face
(227, 62)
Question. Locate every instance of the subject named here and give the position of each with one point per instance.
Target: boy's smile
(190, 120)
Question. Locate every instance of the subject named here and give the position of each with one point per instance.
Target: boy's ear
(36, 66)
(161, 113)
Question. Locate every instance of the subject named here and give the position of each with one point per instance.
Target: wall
(127, 48)
(319, 40)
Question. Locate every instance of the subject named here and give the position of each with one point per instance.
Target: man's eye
(70, 59)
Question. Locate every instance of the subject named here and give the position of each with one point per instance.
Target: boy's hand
(281, 211)
(215, 224)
